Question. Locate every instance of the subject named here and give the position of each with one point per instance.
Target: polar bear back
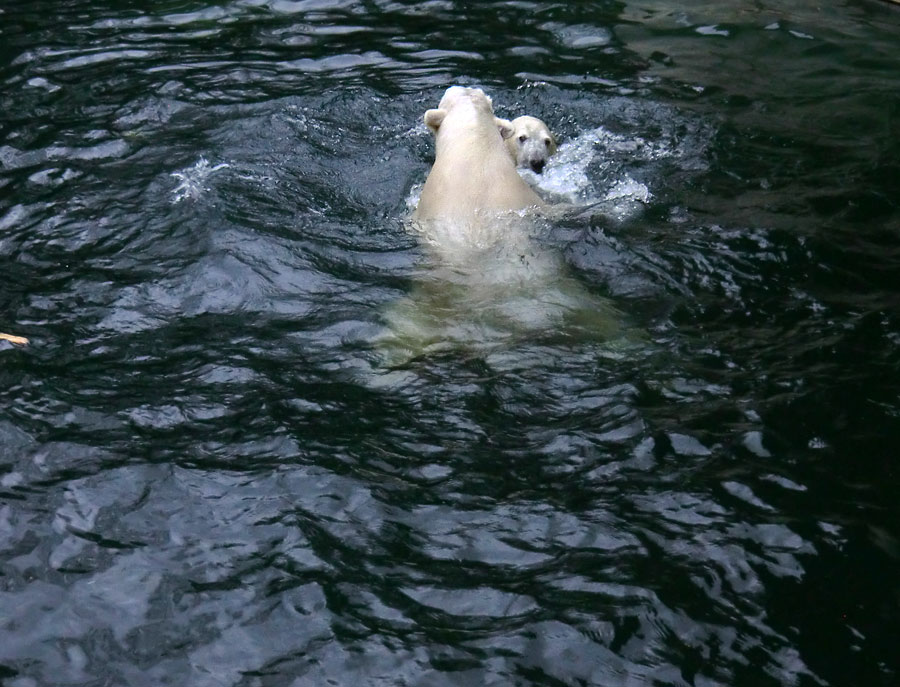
(473, 176)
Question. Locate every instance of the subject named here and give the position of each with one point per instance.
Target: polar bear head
(531, 144)
(457, 96)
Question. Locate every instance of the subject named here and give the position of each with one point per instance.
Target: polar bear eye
(522, 138)
(547, 142)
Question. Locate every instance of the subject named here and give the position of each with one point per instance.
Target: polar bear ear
(433, 119)
(505, 127)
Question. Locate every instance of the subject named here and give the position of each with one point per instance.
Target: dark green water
(206, 476)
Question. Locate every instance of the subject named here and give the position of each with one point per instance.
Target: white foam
(628, 188)
(192, 180)
(412, 198)
(566, 173)
(566, 176)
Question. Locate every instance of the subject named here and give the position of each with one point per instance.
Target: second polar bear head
(531, 143)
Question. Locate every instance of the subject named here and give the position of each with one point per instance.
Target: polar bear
(531, 143)
(488, 282)
(473, 174)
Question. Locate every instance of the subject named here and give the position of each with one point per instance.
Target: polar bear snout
(537, 165)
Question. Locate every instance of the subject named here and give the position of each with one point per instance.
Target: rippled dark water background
(207, 475)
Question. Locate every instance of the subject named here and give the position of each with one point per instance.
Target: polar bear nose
(537, 166)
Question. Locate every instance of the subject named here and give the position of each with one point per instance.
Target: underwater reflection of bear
(487, 280)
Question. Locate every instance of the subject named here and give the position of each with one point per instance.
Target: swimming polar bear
(472, 173)
(531, 143)
(489, 282)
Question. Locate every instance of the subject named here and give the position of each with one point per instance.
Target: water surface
(209, 474)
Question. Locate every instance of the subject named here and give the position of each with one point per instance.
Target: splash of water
(566, 177)
(192, 180)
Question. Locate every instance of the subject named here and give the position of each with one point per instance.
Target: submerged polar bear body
(473, 176)
(531, 144)
(488, 282)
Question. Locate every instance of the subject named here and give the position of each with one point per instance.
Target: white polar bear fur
(473, 175)
(491, 284)
(531, 143)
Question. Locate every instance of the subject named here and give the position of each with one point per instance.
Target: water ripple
(652, 443)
